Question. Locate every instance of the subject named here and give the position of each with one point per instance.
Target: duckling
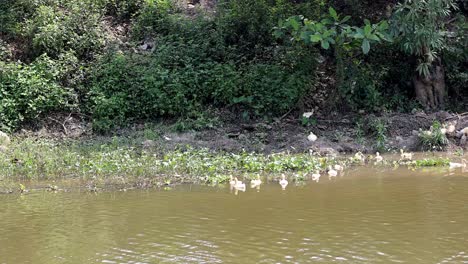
(256, 182)
(339, 167)
(454, 165)
(316, 176)
(405, 155)
(312, 137)
(283, 182)
(331, 172)
(378, 158)
(239, 185)
(359, 157)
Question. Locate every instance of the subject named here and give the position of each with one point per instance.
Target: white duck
(338, 167)
(359, 157)
(255, 183)
(316, 176)
(405, 155)
(283, 182)
(378, 158)
(239, 185)
(331, 172)
(454, 165)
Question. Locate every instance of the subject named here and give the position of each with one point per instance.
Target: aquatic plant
(46, 160)
(431, 162)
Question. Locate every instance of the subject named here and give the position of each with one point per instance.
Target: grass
(119, 162)
(32, 159)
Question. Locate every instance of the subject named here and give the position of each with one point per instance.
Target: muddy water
(366, 216)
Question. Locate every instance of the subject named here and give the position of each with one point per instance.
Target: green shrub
(154, 19)
(58, 29)
(433, 139)
(30, 90)
(123, 9)
(379, 128)
(128, 87)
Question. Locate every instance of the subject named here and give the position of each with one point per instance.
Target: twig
(287, 113)
(62, 124)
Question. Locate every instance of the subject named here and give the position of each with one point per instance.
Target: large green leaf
(315, 38)
(345, 19)
(294, 24)
(325, 44)
(365, 46)
(333, 13)
(367, 30)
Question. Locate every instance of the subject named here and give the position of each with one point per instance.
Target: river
(369, 215)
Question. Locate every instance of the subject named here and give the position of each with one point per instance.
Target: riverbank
(48, 165)
(158, 154)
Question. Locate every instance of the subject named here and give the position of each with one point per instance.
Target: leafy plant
(30, 90)
(421, 26)
(380, 130)
(55, 29)
(433, 139)
(333, 30)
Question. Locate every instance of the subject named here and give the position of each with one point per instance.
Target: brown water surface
(366, 216)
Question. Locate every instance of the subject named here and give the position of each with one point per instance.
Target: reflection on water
(367, 216)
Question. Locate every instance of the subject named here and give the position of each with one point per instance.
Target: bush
(30, 90)
(190, 68)
(130, 87)
(154, 19)
(55, 30)
(433, 139)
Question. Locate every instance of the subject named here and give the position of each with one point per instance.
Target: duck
(239, 185)
(454, 165)
(359, 157)
(338, 167)
(283, 182)
(378, 158)
(405, 155)
(331, 172)
(316, 176)
(256, 182)
(312, 137)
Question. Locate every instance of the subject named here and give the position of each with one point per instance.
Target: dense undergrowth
(119, 61)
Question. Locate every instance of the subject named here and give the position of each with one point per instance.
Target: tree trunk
(430, 90)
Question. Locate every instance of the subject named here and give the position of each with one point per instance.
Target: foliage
(333, 30)
(189, 69)
(421, 27)
(380, 129)
(46, 160)
(130, 87)
(431, 162)
(434, 138)
(30, 90)
(153, 19)
(89, 57)
(55, 30)
(247, 25)
(123, 9)
(456, 60)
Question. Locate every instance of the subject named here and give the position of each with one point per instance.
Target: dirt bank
(335, 133)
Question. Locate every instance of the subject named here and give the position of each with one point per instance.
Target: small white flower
(312, 137)
(307, 114)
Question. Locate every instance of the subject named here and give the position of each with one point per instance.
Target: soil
(336, 133)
